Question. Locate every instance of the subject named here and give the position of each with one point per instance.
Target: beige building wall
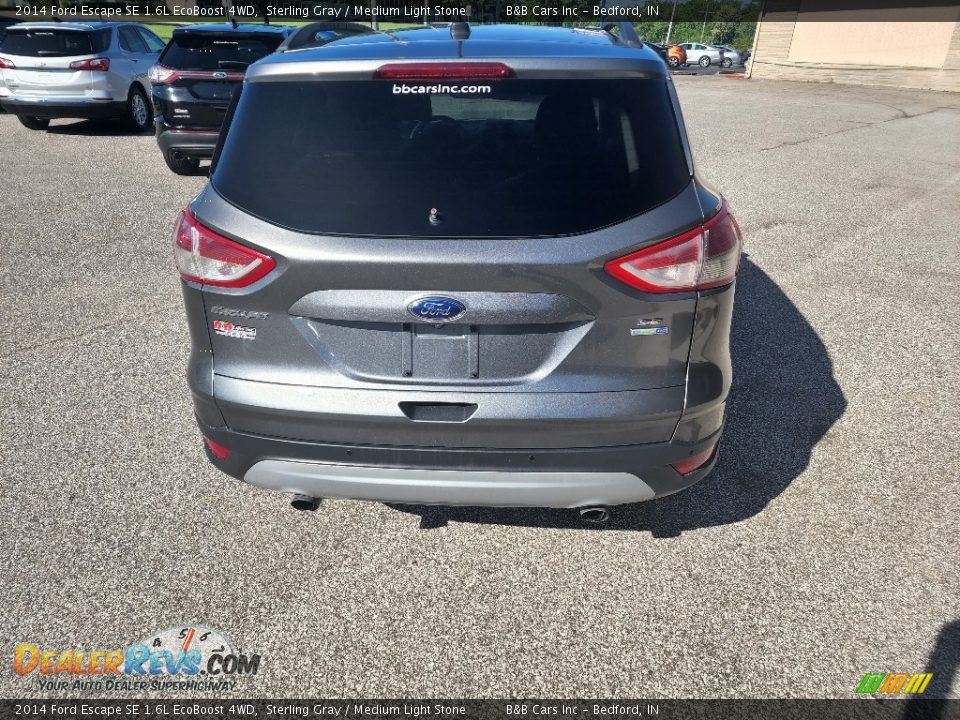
(796, 41)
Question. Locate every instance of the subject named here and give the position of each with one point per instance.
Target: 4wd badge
(224, 327)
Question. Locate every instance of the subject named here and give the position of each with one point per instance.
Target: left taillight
(216, 448)
(699, 259)
(205, 257)
(159, 75)
(95, 64)
(6, 64)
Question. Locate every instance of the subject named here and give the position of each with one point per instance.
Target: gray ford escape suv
(460, 266)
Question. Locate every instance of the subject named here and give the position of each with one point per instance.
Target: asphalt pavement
(823, 547)
(696, 69)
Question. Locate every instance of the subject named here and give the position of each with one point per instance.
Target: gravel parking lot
(823, 547)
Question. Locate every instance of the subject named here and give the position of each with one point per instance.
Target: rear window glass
(504, 158)
(54, 43)
(206, 51)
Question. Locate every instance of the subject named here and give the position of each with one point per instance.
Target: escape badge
(650, 326)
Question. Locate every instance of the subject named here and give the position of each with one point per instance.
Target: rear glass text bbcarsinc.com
(407, 89)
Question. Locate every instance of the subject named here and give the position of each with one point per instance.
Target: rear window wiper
(238, 64)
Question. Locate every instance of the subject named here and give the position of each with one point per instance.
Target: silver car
(707, 55)
(732, 56)
(77, 70)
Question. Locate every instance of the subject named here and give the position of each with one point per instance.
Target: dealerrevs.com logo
(185, 657)
(407, 89)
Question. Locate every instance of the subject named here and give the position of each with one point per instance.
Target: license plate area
(424, 354)
(444, 351)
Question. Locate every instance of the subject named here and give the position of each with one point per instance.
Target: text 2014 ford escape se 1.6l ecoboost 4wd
(460, 266)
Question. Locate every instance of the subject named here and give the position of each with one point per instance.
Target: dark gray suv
(465, 266)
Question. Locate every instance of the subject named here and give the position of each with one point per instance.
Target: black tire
(704, 61)
(34, 123)
(139, 115)
(181, 164)
(673, 61)
(727, 62)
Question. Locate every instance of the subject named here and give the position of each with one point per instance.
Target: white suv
(77, 70)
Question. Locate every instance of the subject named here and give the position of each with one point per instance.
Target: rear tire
(181, 164)
(673, 62)
(704, 61)
(34, 123)
(727, 62)
(139, 115)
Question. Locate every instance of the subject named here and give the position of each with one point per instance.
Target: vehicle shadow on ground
(96, 128)
(944, 663)
(783, 402)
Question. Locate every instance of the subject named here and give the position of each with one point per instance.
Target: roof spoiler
(622, 31)
(317, 34)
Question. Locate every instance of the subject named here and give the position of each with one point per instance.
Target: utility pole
(670, 26)
(703, 28)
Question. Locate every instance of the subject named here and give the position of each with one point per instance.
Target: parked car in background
(193, 81)
(460, 265)
(673, 55)
(731, 56)
(676, 56)
(77, 70)
(5, 22)
(706, 55)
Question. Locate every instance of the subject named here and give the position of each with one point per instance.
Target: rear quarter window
(131, 41)
(510, 158)
(154, 43)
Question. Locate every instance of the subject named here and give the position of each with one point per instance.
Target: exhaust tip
(595, 515)
(304, 503)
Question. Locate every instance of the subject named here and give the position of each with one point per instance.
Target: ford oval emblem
(219, 75)
(437, 309)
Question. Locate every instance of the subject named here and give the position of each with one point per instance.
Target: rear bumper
(559, 478)
(492, 420)
(545, 449)
(62, 107)
(194, 143)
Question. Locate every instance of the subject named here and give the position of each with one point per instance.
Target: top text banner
(558, 12)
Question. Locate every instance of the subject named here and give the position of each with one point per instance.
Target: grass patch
(164, 30)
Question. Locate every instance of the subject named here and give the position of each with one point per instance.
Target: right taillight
(205, 257)
(697, 461)
(703, 258)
